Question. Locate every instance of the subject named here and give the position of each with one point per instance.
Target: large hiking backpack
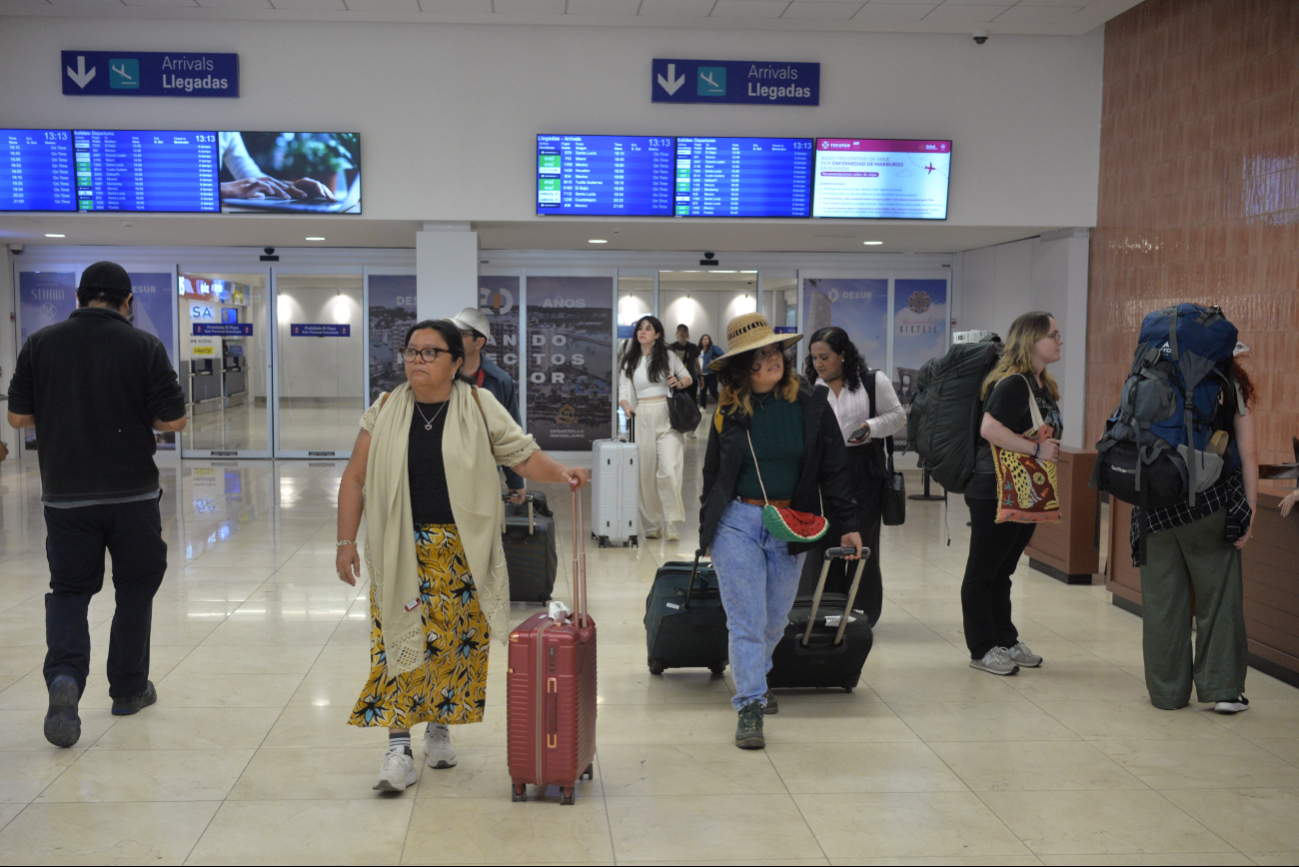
(1155, 452)
(943, 426)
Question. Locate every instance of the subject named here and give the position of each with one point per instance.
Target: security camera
(16, 249)
(708, 254)
(269, 251)
(980, 36)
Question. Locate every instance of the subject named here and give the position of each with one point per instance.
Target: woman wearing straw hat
(773, 442)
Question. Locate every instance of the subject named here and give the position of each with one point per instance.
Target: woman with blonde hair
(424, 470)
(1020, 376)
(772, 441)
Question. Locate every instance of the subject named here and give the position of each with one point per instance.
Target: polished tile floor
(259, 653)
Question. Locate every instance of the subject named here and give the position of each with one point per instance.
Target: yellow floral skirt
(450, 686)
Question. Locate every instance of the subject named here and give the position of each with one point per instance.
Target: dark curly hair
(658, 361)
(854, 366)
(736, 376)
(450, 336)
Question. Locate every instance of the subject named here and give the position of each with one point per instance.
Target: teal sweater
(777, 431)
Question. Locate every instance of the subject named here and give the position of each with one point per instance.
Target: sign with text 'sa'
(742, 82)
(149, 73)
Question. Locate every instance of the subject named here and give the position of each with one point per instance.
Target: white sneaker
(397, 773)
(672, 534)
(437, 747)
(1236, 706)
(1021, 655)
(995, 661)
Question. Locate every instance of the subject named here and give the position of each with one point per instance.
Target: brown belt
(779, 504)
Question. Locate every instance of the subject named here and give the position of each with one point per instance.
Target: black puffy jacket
(824, 467)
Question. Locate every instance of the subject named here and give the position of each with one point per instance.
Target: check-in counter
(1070, 550)
(1269, 567)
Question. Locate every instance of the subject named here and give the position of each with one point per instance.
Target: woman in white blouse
(868, 412)
(647, 374)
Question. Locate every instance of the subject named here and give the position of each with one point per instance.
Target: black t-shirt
(1008, 404)
(95, 384)
(688, 353)
(430, 503)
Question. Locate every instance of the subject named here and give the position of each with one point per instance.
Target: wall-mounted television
(605, 175)
(884, 179)
(744, 177)
(290, 172)
(146, 170)
(36, 170)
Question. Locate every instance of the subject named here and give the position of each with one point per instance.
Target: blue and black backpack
(1160, 446)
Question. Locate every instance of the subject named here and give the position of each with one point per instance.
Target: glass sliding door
(225, 364)
(320, 367)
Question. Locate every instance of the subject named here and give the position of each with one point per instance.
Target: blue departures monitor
(147, 170)
(36, 170)
(605, 175)
(744, 177)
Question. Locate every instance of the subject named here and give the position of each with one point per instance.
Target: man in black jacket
(474, 329)
(95, 388)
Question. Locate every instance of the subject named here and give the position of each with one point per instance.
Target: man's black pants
(75, 542)
(995, 550)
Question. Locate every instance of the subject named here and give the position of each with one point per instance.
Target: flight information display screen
(605, 175)
(36, 170)
(897, 179)
(744, 177)
(143, 170)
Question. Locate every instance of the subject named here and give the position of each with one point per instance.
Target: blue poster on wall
(920, 322)
(392, 312)
(858, 306)
(153, 307)
(45, 297)
(498, 298)
(570, 360)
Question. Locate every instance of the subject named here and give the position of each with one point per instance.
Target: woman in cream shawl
(438, 586)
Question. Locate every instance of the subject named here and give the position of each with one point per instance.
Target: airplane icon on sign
(930, 168)
(708, 77)
(122, 72)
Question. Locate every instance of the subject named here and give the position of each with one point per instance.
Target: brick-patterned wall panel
(1199, 192)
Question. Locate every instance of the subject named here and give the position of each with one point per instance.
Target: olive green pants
(1193, 560)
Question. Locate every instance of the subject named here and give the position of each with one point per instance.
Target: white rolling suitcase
(615, 491)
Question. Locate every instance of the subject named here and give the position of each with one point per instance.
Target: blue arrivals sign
(322, 330)
(223, 329)
(745, 82)
(149, 73)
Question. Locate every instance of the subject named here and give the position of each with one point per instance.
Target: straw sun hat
(748, 332)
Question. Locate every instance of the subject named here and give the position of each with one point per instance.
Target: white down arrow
(81, 76)
(672, 83)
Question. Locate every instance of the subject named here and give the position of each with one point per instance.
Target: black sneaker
(128, 706)
(772, 705)
(748, 734)
(62, 725)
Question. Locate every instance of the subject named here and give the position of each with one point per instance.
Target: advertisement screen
(290, 172)
(744, 177)
(36, 170)
(891, 179)
(146, 170)
(604, 175)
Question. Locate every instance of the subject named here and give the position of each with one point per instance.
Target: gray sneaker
(996, 661)
(748, 733)
(1021, 655)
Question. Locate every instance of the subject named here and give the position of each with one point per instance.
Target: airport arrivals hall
(649, 431)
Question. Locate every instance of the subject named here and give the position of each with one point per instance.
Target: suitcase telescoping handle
(579, 558)
(532, 512)
(690, 588)
(830, 555)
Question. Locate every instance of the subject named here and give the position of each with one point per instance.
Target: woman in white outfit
(647, 374)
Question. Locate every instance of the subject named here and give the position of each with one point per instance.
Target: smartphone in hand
(859, 435)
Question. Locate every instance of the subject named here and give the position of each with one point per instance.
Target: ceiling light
(315, 238)
(597, 241)
(721, 272)
(872, 243)
(54, 235)
(748, 272)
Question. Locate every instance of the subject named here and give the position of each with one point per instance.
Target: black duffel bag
(683, 412)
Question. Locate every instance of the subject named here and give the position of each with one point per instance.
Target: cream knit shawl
(474, 443)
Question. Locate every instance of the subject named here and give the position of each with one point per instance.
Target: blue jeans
(758, 578)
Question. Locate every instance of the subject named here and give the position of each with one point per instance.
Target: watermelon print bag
(785, 524)
(1026, 486)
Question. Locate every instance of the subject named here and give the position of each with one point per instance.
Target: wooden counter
(1270, 569)
(1070, 550)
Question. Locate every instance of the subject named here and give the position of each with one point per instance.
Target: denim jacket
(824, 468)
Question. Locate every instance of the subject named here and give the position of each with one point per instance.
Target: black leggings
(985, 593)
(710, 387)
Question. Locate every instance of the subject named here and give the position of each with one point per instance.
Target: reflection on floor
(259, 653)
(314, 424)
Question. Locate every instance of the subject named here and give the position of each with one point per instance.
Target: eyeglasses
(1057, 336)
(428, 356)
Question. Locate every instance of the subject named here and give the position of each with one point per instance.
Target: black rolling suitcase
(530, 555)
(685, 624)
(820, 648)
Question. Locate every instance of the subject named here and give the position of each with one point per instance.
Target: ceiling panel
(456, 7)
(821, 10)
(1037, 14)
(749, 8)
(529, 7)
(968, 14)
(612, 8)
(878, 12)
(383, 5)
(676, 8)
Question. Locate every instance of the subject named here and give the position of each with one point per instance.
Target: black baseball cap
(108, 276)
